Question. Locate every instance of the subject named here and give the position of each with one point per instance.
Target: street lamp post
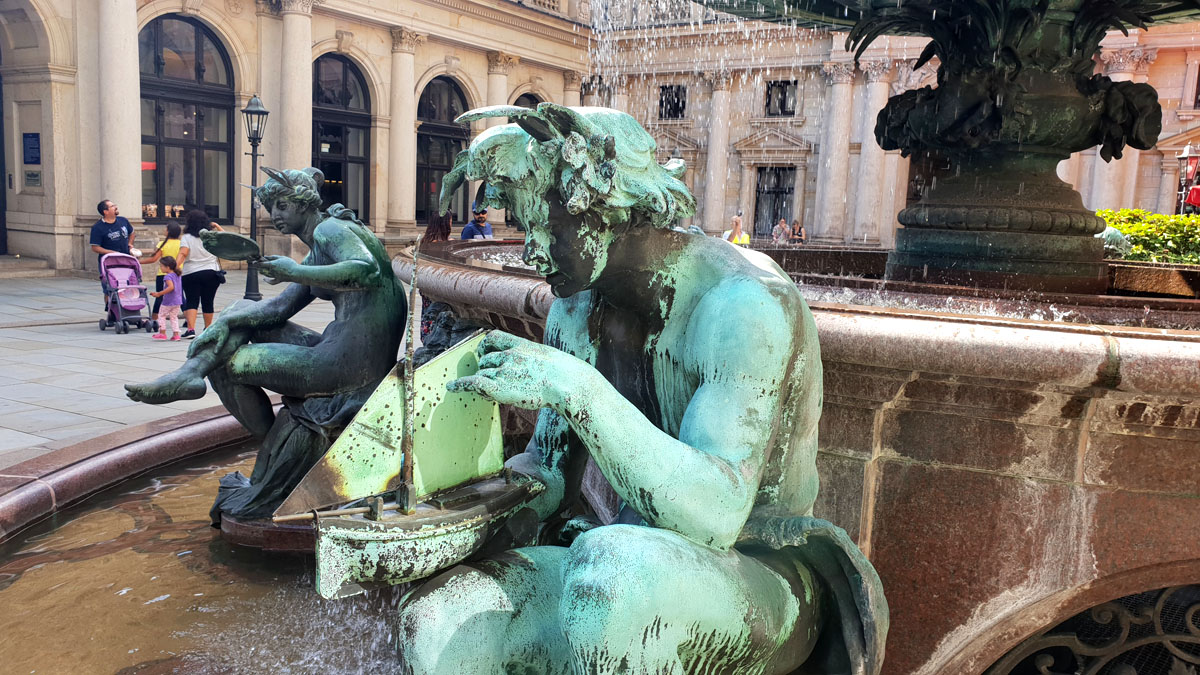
(255, 116)
(1188, 159)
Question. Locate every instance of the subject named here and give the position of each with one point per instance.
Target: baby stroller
(124, 295)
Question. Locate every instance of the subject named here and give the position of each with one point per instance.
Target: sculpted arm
(355, 268)
(704, 483)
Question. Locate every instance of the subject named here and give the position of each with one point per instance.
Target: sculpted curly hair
(301, 185)
(596, 159)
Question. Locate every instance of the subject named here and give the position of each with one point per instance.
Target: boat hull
(355, 552)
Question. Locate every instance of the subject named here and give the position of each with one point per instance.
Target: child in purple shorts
(172, 299)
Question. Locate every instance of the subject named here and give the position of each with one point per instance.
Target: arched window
(439, 140)
(527, 101)
(342, 132)
(187, 120)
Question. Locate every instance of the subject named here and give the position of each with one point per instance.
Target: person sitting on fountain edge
(706, 431)
(252, 347)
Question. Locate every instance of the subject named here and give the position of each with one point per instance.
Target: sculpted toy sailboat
(418, 478)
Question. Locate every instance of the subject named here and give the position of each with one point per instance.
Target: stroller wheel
(146, 326)
(153, 326)
(122, 328)
(103, 324)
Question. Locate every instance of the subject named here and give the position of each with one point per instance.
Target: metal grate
(1151, 633)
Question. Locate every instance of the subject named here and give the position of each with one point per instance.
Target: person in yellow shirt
(168, 247)
(735, 235)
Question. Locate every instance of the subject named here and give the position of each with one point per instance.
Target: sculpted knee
(608, 576)
(446, 620)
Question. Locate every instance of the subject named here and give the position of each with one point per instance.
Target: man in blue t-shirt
(112, 233)
(478, 228)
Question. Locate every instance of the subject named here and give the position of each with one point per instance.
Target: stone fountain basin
(1002, 474)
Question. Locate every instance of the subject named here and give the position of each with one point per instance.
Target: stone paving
(61, 377)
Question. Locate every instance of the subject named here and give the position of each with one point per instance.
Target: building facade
(138, 101)
(777, 122)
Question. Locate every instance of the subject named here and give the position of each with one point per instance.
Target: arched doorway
(527, 101)
(342, 132)
(439, 140)
(187, 120)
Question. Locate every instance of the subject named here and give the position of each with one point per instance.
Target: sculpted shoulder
(751, 318)
(567, 325)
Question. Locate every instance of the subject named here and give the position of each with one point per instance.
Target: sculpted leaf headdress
(596, 159)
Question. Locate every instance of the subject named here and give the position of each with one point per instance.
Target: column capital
(1170, 164)
(296, 6)
(1130, 60)
(719, 80)
(877, 70)
(839, 72)
(572, 80)
(405, 40)
(500, 63)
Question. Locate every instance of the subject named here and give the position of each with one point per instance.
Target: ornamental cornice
(877, 70)
(839, 72)
(297, 6)
(278, 7)
(406, 40)
(719, 80)
(500, 63)
(1126, 61)
(572, 80)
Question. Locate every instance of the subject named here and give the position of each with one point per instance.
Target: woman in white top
(201, 271)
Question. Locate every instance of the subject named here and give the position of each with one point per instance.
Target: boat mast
(406, 496)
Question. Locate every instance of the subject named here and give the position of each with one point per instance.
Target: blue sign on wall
(31, 145)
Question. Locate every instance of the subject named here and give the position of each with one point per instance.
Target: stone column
(831, 218)
(1133, 157)
(295, 84)
(895, 181)
(718, 153)
(402, 146)
(870, 194)
(590, 90)
(747, 194)
(1109, 178)
(620, 86)
(499, 66)
(120, 123)
(798, 193)
(1168, 188)
(572, 85)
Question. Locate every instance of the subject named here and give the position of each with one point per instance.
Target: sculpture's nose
(536, 252)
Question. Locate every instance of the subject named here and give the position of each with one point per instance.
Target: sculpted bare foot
(175, 386)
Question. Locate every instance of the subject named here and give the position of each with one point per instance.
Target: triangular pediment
(669, 139)
(772, 139)
(1179, 140)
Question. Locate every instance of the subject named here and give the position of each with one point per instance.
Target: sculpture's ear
(529, 120)
(316, 174)
(452, 181)
(564, 120)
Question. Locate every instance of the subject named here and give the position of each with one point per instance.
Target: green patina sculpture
(688, 371)
(253, 348)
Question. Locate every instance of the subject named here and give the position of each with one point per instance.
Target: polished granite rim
(42, 486)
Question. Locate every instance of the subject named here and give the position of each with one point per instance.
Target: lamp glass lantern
(255, 116)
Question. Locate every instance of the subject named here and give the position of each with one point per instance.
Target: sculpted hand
(213, 338)
(526, 374)
(278, 268)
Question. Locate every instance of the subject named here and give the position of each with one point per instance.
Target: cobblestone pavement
(61, 377)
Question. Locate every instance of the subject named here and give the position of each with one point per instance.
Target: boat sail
(392, 526)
